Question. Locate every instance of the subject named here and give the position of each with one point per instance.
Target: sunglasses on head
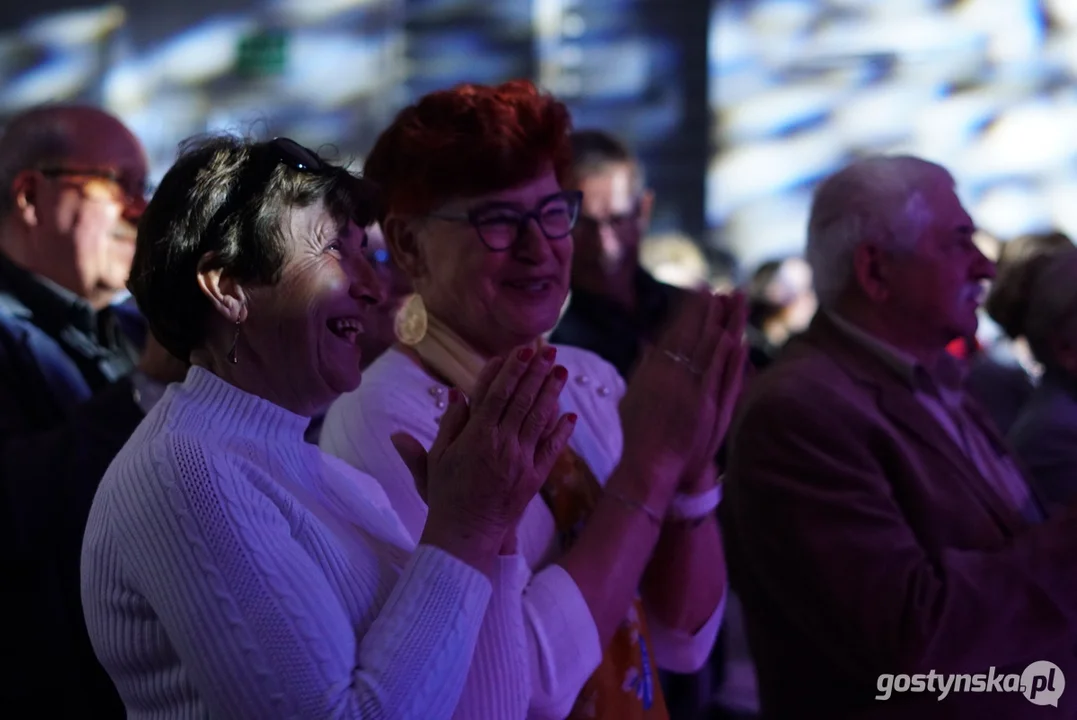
(265, 157)
(288, 152)
(301, 159)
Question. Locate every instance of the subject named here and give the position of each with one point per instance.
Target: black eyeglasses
(501, 226)
(127, 189)
(620, 223)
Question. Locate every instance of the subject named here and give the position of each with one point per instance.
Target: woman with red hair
(617, 567)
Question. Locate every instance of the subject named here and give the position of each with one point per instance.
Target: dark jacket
(1044, 437)
(1000, 385)
(59, 430)
(595, 323)
(864, 542)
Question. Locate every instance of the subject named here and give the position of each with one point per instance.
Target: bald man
(75, 380)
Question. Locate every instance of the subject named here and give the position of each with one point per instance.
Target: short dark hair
(1017, 269)
(594, 150)
(227, 196)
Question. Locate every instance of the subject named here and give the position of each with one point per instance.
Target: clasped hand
(493, 450)
(680, 401)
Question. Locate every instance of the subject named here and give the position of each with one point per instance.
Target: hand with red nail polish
(492, 453)
(678, 405)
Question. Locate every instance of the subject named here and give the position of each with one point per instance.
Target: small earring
(232, 356)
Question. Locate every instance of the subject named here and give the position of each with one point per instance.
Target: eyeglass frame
(526, 216)
(113, 176)
(632, 216)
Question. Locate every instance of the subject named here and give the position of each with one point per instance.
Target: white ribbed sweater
(231, 570)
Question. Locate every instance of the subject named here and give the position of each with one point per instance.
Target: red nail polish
(525, 354)
(454, 395)
(560, 373)
(572, 418)
(549, 353)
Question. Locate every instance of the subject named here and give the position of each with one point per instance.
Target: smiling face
(495, 300)
(304, 331)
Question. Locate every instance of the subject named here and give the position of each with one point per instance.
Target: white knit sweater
(232, 570)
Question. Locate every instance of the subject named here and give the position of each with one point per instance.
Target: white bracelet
(693, 507)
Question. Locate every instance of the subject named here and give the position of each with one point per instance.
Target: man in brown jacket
(891, 559)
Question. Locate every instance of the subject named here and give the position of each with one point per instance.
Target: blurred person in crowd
(877, 524)
(378, 329)
(73, 382)
(675, 259)
(1044, 436)
(479, 218)
(616, 306)
(1003, 375)
(231, 569)
(379, 332)
(781, 303)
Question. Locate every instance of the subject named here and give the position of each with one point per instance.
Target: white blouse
(559, 633)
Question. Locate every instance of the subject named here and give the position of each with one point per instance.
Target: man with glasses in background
(78, 371)
(615, 305)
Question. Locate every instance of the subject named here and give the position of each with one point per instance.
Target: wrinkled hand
(732, 318)
(493, 452)
(160, 365)
(680, 400)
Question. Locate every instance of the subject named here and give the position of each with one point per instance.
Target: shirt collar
(53, 307)
(945, 378)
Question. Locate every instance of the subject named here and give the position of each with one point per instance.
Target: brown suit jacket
(862, 541)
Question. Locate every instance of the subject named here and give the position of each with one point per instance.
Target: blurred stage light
(200, 54)
(985, 87)
(62, 77)
(74, 28)
(302, 12)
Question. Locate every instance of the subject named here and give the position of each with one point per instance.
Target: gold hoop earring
(233, 357)
(409, 325)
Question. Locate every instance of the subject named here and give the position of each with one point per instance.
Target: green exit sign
(263, 54)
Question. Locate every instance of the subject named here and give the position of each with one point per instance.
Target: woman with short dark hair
(231, 569)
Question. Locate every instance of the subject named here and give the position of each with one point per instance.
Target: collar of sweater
(223, 409)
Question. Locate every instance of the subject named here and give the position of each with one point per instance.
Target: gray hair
(1051, 280)
(37, 137)
(881, 198)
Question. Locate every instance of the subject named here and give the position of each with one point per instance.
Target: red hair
(468, 141)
